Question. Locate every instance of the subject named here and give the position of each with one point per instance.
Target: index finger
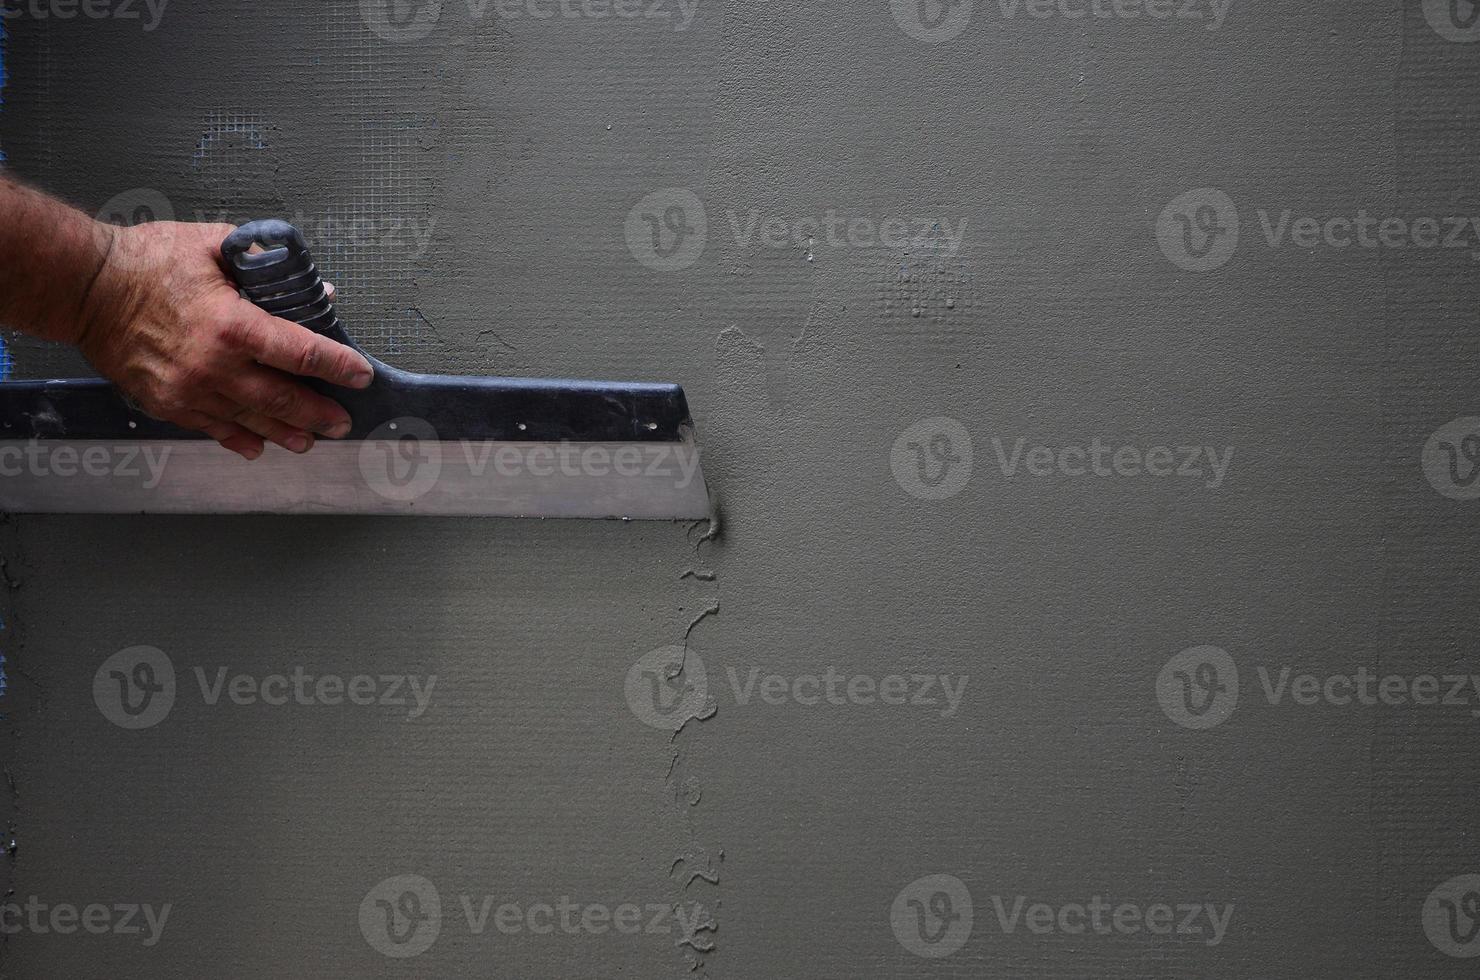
(285, 345)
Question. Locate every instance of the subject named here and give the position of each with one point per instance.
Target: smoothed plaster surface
(497, 161)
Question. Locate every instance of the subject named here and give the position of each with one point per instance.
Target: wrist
(107, 295)
(53, 258)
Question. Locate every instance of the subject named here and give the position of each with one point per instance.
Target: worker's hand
(165, 323)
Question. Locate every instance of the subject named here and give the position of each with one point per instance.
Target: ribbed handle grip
(282, 279)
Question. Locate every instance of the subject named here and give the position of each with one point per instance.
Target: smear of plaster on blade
(711, 534)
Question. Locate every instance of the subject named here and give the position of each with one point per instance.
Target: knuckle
(236, 335)
(193, 377)
(162, 394)
(166, 405)
(329, 417)
(308, 359)
(281, 403)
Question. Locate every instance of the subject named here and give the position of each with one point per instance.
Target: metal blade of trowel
(420, 444)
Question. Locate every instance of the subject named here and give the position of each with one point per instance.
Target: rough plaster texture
(526, 143)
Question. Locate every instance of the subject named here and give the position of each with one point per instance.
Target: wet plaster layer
(520, 148)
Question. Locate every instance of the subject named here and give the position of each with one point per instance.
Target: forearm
(51, 258)
(154, 311)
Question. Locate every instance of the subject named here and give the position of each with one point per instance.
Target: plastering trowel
(420, 443)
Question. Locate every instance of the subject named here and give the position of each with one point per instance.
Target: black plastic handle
(282, 279)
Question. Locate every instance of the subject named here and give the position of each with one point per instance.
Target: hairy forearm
(152, 308)
(51, 260)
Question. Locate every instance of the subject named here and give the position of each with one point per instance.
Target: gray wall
(470, 191)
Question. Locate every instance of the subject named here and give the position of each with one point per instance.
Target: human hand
(165, 323)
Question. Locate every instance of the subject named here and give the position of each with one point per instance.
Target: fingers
(291, 439)
(248, 445)
(289, 347)
(230, 435)
(256, 426)
(291, 410)
(195, 353)
(242, 430)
